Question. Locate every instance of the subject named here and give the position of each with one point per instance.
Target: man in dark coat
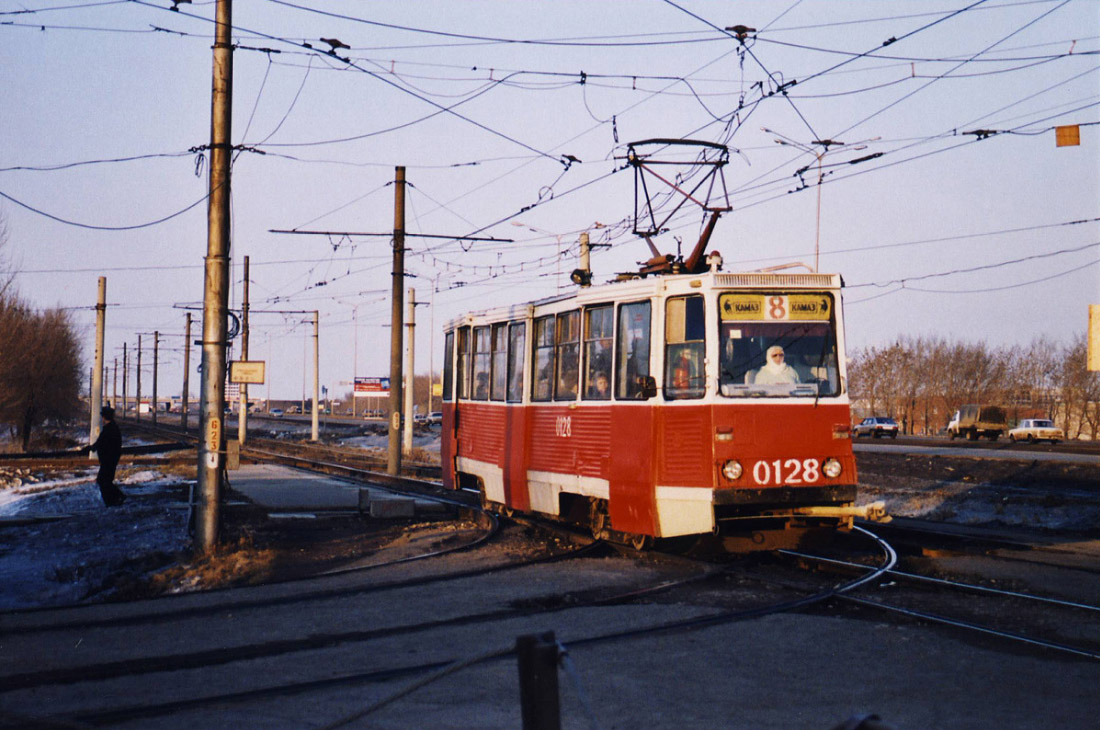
(109, 448)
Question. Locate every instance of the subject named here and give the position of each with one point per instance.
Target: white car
(1036, 429)
(277, 412)
(876, 427)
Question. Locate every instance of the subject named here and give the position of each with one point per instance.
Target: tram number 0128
(563, 427)
(788, 471)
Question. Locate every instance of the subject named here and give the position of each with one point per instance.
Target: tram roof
(654, 286)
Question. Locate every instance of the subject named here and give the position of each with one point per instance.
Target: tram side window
(567, 346)
(598, 331)
(462, 365)
(481, 364)
(685, 347)
(632, 354)
(544, 359)
(448, 365)
(517, 341)
(499, 362)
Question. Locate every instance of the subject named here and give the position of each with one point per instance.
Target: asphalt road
(1078, 452)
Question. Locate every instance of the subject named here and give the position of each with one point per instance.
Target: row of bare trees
(920, 382)
(40, 365)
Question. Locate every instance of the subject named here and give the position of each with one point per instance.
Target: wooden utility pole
(242, 415)
(95, 391)
(410, 369)
(393, 462)
(216, 290)
(137, 411)
(316, 373)
(156, 367)
(184, 405)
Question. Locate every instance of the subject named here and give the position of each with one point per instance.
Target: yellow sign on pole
(1094, 338)
(1067, 136)
(247, 371)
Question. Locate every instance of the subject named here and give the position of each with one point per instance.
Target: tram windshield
(777, 346)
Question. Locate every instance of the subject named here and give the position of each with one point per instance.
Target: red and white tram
(683, 404)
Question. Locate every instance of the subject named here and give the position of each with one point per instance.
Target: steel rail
(974, 627)
(952, 583)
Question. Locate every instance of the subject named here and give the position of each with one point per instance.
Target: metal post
(410, 352)
(96, 389)
(216, 289)
(242, 414)
(156, 364)
(137, 397)
(316, 373)
(114, 385)
(393, 462)
(184, 401)
(125, 379)
(537, 657)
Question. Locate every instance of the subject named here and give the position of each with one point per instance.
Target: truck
(974, 421)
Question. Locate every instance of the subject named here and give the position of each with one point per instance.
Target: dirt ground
(150, 557)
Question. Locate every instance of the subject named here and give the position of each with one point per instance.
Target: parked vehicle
(876, 427)
(974, 421)
(1036, 429)
(435, 417)
(277, 412)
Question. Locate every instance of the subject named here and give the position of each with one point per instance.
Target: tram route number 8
(791, 471)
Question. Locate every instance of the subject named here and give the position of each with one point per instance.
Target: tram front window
(761, 358)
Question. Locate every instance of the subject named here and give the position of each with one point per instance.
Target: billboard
(372, 387)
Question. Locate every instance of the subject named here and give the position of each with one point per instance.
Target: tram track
(569, 603)
(990, 611)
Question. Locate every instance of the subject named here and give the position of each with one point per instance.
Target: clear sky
(944, 232)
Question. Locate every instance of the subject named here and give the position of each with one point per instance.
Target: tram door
(632, 464)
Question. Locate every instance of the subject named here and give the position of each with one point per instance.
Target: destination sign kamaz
(775, 307)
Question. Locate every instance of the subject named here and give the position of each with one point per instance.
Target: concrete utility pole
(137, 411)
(216, 289)
(125, 379)
(156, 364)
(242, 415)
(410, 351)
(393, 462)
(95, 391)
(114, 385)
(184, 405)
(316, 372)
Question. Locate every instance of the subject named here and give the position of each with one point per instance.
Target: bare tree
(40, 368)
(1079, 390)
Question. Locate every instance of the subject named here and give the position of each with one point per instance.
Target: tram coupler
(872, 512)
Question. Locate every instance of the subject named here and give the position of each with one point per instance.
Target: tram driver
(775, 370)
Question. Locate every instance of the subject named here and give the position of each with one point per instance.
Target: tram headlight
(832, 468)
(732, 470)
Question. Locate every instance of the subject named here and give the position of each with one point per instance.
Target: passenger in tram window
(482, 391)
(775, 370)
(600, 388)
